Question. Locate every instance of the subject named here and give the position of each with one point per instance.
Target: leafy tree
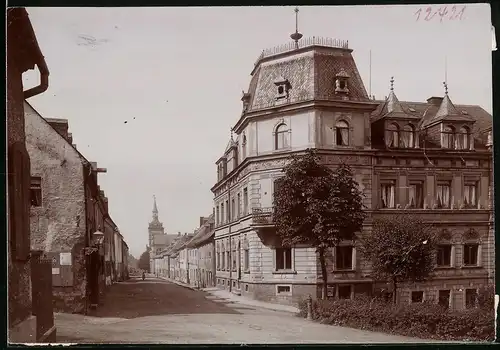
(317, 206)
(401, 248)
(144, 261)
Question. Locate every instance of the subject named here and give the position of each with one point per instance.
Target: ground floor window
(417, 296)
(470, 298)
(345, 292)
(444, 298)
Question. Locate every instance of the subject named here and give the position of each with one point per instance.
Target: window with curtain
(443, 195)
(222, 213)
(470, 255)
(470, 195)
(408, 136)
(416, 195)
(464, 138)
(392, 136)
(448, 137)
(342, 133)
(281, 137)
(388, 195)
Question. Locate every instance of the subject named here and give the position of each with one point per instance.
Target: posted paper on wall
(65, 259)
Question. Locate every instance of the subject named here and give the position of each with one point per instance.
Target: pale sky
(180, 72)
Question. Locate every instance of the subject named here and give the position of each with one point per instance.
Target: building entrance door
(93, 278)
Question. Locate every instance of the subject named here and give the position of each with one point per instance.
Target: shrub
(422, 320)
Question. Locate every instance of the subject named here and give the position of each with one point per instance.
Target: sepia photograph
(250, 175)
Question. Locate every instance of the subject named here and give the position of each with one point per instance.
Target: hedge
(421, 320)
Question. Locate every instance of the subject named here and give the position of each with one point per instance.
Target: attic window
(341, 79)
(283, 88)
(465, 113)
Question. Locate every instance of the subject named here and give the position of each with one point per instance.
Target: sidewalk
(224, 294)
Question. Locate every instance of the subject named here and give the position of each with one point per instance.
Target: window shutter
(452, 256)
(19, 200)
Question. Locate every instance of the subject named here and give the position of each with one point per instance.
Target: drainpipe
(42, 67)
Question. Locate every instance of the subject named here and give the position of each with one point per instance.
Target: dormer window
(341, 82)
(408, 136)
(283, 88)
(464, 138)
(246, 101)
(448, 137)
(392, 135)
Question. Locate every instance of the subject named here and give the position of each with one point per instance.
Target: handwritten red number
(429, 11)
(443, 11)
(418, 13)
(461, 13)
(453, 10)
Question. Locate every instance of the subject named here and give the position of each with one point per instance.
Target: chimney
(435, 100)
(203, 220)
(96, 169)
(70, 137)
(61, 126)
(106, 203)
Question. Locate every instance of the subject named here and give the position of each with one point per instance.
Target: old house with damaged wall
(30, 315)
(68, 213)
(431, 159)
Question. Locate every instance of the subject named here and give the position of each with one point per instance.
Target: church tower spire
(155, 209)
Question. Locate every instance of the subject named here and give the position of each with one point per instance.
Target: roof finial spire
(445, 87)
(296, 36)
(392, 83)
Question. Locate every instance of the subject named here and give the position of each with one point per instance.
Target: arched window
(408, 136)
(342, 133)
(448, 137)
(281, 137)
(392, 135)
(464, 138)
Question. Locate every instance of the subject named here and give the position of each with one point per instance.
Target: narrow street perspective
(159, 311)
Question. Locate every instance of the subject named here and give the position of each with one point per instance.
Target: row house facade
(26, 322)
(68, 213)
(115, 253)
(172, 262)
(431, 159)
(201, 255)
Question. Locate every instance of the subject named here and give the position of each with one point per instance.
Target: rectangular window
(416, 195)
(283, 289)
(470, 254)
(283, 258)
(234, 260)
(417, 296)
(233, 209)
(345, 292)
(222, 213)
(245, 201)
(470, 195)
(228, 212)
(228, 261)
(217, 213)
(443, 194)
(443, 255)
(343, 257)
(470, 298)
(246, 259)
(444, 298)
(218, 260)
(36, 191)
(238, 207)
(388, 195)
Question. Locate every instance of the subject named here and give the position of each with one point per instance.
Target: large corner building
(431, 158)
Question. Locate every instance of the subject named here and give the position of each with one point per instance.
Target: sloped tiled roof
(447, 111)
(203, 234)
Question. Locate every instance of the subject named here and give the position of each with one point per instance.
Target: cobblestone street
(158, 311)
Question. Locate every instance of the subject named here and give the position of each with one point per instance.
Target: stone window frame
(345, 243)
(246, 252)
(467, 179)
(439, 180)
(472, 237)
(424, 295)
(414, 178)
(385, 178)
(337, 290)
(288, 294)
(451, 134)
(445, 238)
(292, 270)
(36, 191)
(346, 118)
(277, 125)
(243, 146)
(450, 299)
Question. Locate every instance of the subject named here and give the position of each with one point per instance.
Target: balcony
(262, 217)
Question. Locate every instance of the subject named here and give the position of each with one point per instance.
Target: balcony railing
(263, 216)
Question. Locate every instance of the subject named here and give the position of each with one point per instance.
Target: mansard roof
(447, 111)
